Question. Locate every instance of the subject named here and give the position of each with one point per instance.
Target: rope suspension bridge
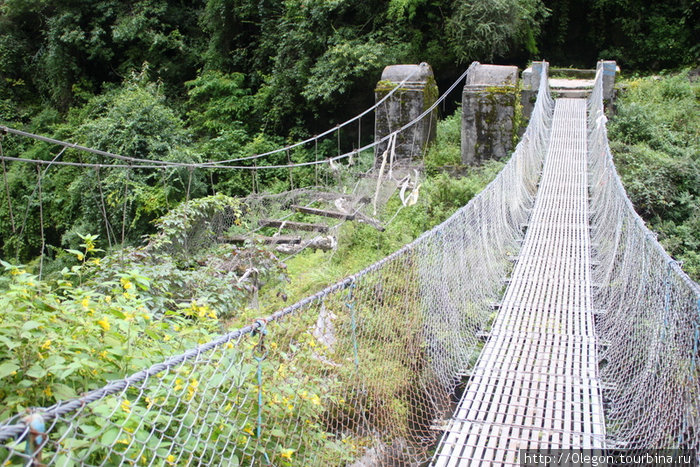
(591, 343)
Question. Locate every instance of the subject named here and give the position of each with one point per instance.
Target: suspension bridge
(593, 344)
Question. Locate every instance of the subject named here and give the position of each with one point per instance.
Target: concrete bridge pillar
(610, 69)
(489, 100)
(415, 96)
(530, 87)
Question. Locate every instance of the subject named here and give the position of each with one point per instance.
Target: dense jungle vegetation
(216, 79)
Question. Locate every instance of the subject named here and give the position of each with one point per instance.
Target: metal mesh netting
(362, 371)
(649, 316)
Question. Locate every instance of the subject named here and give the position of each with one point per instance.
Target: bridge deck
(536, 385)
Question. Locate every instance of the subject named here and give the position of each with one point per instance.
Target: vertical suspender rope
(291, 179)
(108, 227)
(126, 191)
(255, 176)
(7, 187)
(353, 324)
(41, 222)
(259, 358)
(315, 160)
(189, 183)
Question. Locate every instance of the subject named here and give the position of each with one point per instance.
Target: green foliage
(654, 137)
(343, 64)
(446, 150)
(193, 219)
(483, 29)
(60, 339)
(218, 103)
(184, 268)
(444, 194)
(639, 35)
(132, 120)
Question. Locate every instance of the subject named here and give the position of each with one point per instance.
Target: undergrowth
(655, 140)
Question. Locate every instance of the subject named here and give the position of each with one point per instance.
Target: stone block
(488, 112)
(414, 97)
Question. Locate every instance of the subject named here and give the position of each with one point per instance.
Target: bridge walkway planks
(536, 384)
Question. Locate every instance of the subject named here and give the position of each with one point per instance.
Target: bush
(654, 138)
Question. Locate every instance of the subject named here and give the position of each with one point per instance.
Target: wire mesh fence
(363, 371)
(649, 316)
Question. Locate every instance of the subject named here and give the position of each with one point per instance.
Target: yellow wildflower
(85, 302)
(104, 323)
(315, 400)
(212, 314)
(48, 391)
(248, 430)
(170, 460)
(149, 402)
(126, 405)
(178, 384)
(108, 299)
(287, 454)
(166, 338)
(229, 345)
(123, 441)
(192, 388)
(46, 345)
(126, 283)
(103, 354)
(80, 256)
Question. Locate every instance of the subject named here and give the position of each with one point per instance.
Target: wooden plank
(305, 226)
(323, 212)
(240, 239)
(359, 217)
(330, 196)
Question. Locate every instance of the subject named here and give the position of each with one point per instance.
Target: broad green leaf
(29, 325)
(62, 392)
(109, 436)
(7, 367)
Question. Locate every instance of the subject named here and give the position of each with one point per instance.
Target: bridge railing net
(361, 370)
(649, 316)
